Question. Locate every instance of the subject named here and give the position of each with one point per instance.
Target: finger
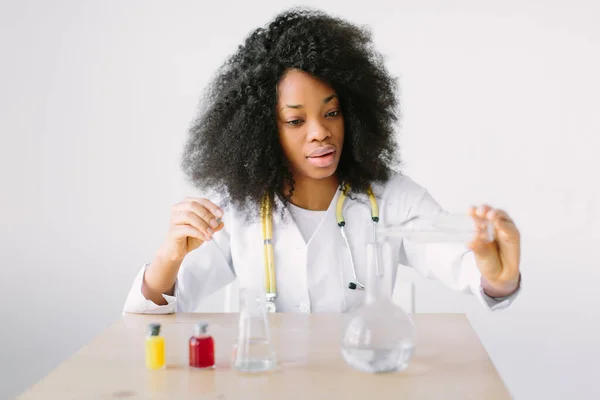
(481, 225)
(503, 224)
(482, 245)
(220, 225)
(209, 205)
(483, 210)
(191, 218)
(200, 210)
(507, 231)
(208, 212)
(479, 214)
(185, 231)
(499, 215)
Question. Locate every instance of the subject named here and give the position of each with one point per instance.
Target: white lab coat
(314, 276)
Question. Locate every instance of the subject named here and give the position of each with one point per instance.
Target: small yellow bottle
(155, 348)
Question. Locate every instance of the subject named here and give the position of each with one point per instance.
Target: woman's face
(310, 125)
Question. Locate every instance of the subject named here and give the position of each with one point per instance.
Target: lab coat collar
(286, 220)
(287, 217)
(350, 201)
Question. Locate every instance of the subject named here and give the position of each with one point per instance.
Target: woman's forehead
(298, 86)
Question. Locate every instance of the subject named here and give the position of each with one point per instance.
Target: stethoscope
(266, 216)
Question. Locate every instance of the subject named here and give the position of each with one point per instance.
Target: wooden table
(449, 363)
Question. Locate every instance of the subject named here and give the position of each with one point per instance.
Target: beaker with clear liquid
(253, 351)
(379, 336)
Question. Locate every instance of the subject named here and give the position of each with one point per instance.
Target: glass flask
(253, 351)
(379, 336)
(440, 228)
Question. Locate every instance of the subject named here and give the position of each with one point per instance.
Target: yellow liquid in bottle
(155, 352)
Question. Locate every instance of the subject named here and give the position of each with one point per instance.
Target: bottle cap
(154, 329)
(201, 328)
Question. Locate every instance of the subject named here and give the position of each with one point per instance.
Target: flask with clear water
(379, 336)
(253, 351)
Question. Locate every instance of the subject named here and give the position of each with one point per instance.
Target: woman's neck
(313, 194)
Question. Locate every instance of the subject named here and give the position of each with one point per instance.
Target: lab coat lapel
(290, 260)
(284, 223)
(323, 231)
(325, 261)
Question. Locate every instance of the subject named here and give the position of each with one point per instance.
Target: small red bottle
(202, 348)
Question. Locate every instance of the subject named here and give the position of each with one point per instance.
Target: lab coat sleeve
(203, 271)
(452, 264)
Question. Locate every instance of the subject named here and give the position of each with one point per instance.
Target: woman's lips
(322, 157)
(321, 151)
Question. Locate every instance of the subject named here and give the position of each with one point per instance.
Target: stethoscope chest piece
(356, 285)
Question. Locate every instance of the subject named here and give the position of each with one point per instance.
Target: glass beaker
(379, 336)
(253, 351)
(441, 227)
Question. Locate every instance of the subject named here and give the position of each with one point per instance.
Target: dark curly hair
(233, 146)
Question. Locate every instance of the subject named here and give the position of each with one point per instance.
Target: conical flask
(379, 336)
(254, 350)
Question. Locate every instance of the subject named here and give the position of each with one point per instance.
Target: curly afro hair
(233, 146)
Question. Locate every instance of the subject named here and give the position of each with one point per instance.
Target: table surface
(449, 363)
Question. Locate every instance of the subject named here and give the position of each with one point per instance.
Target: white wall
(500, 98)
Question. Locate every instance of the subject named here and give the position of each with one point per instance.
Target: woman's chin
(322, 172)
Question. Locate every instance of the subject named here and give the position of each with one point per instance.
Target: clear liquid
(379, 360)
(254, 356)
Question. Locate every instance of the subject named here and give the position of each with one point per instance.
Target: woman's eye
(295, 122)
(333, 113)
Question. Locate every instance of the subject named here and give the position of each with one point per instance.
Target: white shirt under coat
(312, 274)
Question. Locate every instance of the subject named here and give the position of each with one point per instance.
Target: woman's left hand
(497, 260)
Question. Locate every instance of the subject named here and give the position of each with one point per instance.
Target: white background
(500, 105)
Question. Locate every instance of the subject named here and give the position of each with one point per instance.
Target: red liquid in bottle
(202, 348)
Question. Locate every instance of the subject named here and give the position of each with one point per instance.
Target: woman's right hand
(193, 222)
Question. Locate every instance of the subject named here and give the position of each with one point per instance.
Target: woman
(303, 114)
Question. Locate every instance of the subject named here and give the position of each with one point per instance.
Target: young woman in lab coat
(302, 117)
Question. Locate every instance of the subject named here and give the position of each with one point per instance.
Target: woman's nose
(318, 132)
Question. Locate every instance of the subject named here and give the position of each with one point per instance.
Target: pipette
(442, 227)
